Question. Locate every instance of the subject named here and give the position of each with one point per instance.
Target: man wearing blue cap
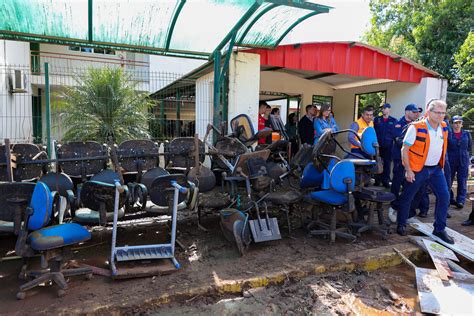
(411, 112)
(385, 127)
(459, 150)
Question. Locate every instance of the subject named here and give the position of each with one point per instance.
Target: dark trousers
(461, 173)
(421, 202)
(386, 155)
(434, 177)
(397, 179)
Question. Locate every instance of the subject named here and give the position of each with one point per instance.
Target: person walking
(305, 125)
(359, 126)
(459, 150)
(384, 128)
(325, 121)
(423, 153)
(411, 111)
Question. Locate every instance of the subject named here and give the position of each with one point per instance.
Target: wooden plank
(140, 269)
(462, 245)
(452, 297)
(439, 254)
(418, 240)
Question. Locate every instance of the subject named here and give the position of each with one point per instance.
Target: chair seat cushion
(58, 236)
(329, 196)
(88, 216)
(375, 195)
(281, 198)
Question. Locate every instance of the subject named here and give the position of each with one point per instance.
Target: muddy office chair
(337, 197)
(82, 160)
(61, 184)
(25, 157)
(35, 237)
(10, 220)
(136, 157)
(375, 198)
(96, 199)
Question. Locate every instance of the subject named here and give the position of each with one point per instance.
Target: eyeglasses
(438, 113)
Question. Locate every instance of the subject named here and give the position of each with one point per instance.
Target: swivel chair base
(331, 229)
(53, 273)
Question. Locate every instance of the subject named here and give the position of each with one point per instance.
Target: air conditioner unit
(17, 82)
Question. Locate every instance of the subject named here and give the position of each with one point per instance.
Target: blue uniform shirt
(385, 130)
(397, 134)
(459, 149)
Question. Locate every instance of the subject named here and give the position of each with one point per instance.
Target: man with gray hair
(423, 156)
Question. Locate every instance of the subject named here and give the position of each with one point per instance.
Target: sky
(346, 22)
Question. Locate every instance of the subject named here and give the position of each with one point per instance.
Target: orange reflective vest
(419, 150)
(362, 126)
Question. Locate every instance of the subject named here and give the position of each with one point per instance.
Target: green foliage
(428, 32)
(105, 103)
(465, 63)
(459, 103)
(373, 99)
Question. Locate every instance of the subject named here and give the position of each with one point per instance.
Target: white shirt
(436, 143)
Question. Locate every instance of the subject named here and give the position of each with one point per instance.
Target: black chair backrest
(59, 182)
(161, 192)
(9, 190)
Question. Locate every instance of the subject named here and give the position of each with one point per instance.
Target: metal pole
(48, 108)
(217, 87)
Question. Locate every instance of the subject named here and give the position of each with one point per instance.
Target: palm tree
(105, 103)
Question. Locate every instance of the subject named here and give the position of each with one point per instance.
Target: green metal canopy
(187, 28)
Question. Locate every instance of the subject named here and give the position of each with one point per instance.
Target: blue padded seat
(311, 177)
(58, 236)
(329, 197)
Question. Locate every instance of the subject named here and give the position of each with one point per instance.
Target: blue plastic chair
(337, 197)
(36, 237)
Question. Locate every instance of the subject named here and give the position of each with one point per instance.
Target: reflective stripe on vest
(362, 126)
(418, 152)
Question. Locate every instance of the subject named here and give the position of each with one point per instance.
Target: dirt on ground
(207, 259)
(385, 292)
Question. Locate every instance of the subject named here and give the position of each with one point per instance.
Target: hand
(410, 176)
(327, 129)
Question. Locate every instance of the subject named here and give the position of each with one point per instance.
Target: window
(322, 99)
(374, 99)
(105, 51)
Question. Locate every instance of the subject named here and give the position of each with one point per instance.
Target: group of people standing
(418, 152)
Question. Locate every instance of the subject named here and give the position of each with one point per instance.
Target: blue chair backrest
(327, 176)
(367, 141)
(311, 177)
(342, 170)
(42, 205)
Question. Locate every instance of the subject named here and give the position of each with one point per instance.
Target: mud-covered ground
(387, 291)
(208, 259)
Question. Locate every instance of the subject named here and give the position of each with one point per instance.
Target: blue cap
(387, 106)
(457, 118)
(420, 110)
(411, 107)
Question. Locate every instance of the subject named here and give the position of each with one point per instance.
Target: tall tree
(430, 32)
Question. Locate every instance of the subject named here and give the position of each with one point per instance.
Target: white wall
(399, 94)
(204, 103)
(286, 83)
(244, 78)
(15, 108)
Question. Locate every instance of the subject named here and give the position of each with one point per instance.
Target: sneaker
(392, 215)
(402, 230)
(453, 202)
(444, 237)
(459, 205)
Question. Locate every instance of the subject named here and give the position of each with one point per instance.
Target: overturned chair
(35, 237)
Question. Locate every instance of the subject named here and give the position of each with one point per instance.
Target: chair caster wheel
(89, 276)
(61, 293)
(20, 295)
